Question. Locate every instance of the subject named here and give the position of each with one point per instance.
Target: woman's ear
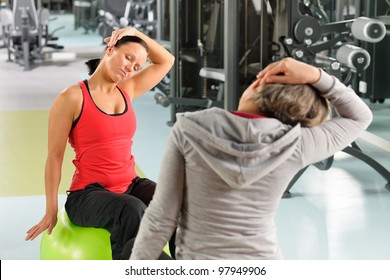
(109, 50)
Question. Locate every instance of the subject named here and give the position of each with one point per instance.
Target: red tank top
(102, 144)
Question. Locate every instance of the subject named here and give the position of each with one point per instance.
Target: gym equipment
(368, 29)
(329, 45)
(376, 76)
(196, 42)
(352, 150)
(305, 29)
(326, 44)
(354, 57)
(25, 30)
(301, 29)
(70, 242)
(85, 14)
(248, 35)
(140, 14)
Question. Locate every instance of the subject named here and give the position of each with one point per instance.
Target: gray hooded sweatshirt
(223, 175)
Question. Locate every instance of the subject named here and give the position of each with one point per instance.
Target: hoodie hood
(240, 150)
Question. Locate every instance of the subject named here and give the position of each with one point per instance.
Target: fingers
(50, 229)
(36, 231)
(289, 71)
(33, 233)
(117, 34)
(273, 73)
(111, 41)
(276, 79)
(273, 68)
(29, 234)
(46, 223)
(254, 84)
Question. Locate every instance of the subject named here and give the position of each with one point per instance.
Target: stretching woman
(224, 172)
(97, 118)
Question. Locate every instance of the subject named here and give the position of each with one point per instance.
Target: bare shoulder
(68, 102)
(70, 95)
(72, 92)
(65, 109)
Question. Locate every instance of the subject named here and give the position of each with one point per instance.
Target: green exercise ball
(70, 242)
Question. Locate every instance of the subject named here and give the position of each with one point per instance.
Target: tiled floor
(341, 213)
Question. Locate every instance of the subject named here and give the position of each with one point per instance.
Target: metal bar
(368, 160)
(231, 53)
(264, 51)
(174, 38)
(160, 20)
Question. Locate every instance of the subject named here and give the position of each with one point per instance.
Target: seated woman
(224, 172)
(97, 118)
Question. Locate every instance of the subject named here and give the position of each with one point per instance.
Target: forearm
(346, 102)
(52, 182)
(161, 61)
(157, 53)
(322, 141)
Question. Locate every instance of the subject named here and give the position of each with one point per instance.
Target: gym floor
(339, 214)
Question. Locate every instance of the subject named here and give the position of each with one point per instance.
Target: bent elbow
(368, 119)
(171, 61)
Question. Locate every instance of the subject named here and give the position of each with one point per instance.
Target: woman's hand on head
(117, 34)
(289, 71)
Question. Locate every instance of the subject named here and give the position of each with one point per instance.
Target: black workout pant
(120, 214)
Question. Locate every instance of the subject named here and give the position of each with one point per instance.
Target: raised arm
(161, 61)
(335, 134)
(354, 116)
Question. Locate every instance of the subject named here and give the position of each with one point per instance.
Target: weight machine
(196, 42)
(378, 82)
(255, 33)
(25, 32)
(106, 16)
(308, 34)
(141, 14)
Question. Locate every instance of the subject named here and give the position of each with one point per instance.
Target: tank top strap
(86, 102)
(127, 97)
(87, 99)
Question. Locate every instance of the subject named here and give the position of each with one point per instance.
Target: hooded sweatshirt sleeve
(354, 116)
(160, 218)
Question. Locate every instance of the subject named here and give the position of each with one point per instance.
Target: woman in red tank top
(97, 119)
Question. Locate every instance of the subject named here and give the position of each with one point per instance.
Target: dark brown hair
(292, 104)
(92, 64)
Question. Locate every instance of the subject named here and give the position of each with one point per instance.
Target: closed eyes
(136, 66)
